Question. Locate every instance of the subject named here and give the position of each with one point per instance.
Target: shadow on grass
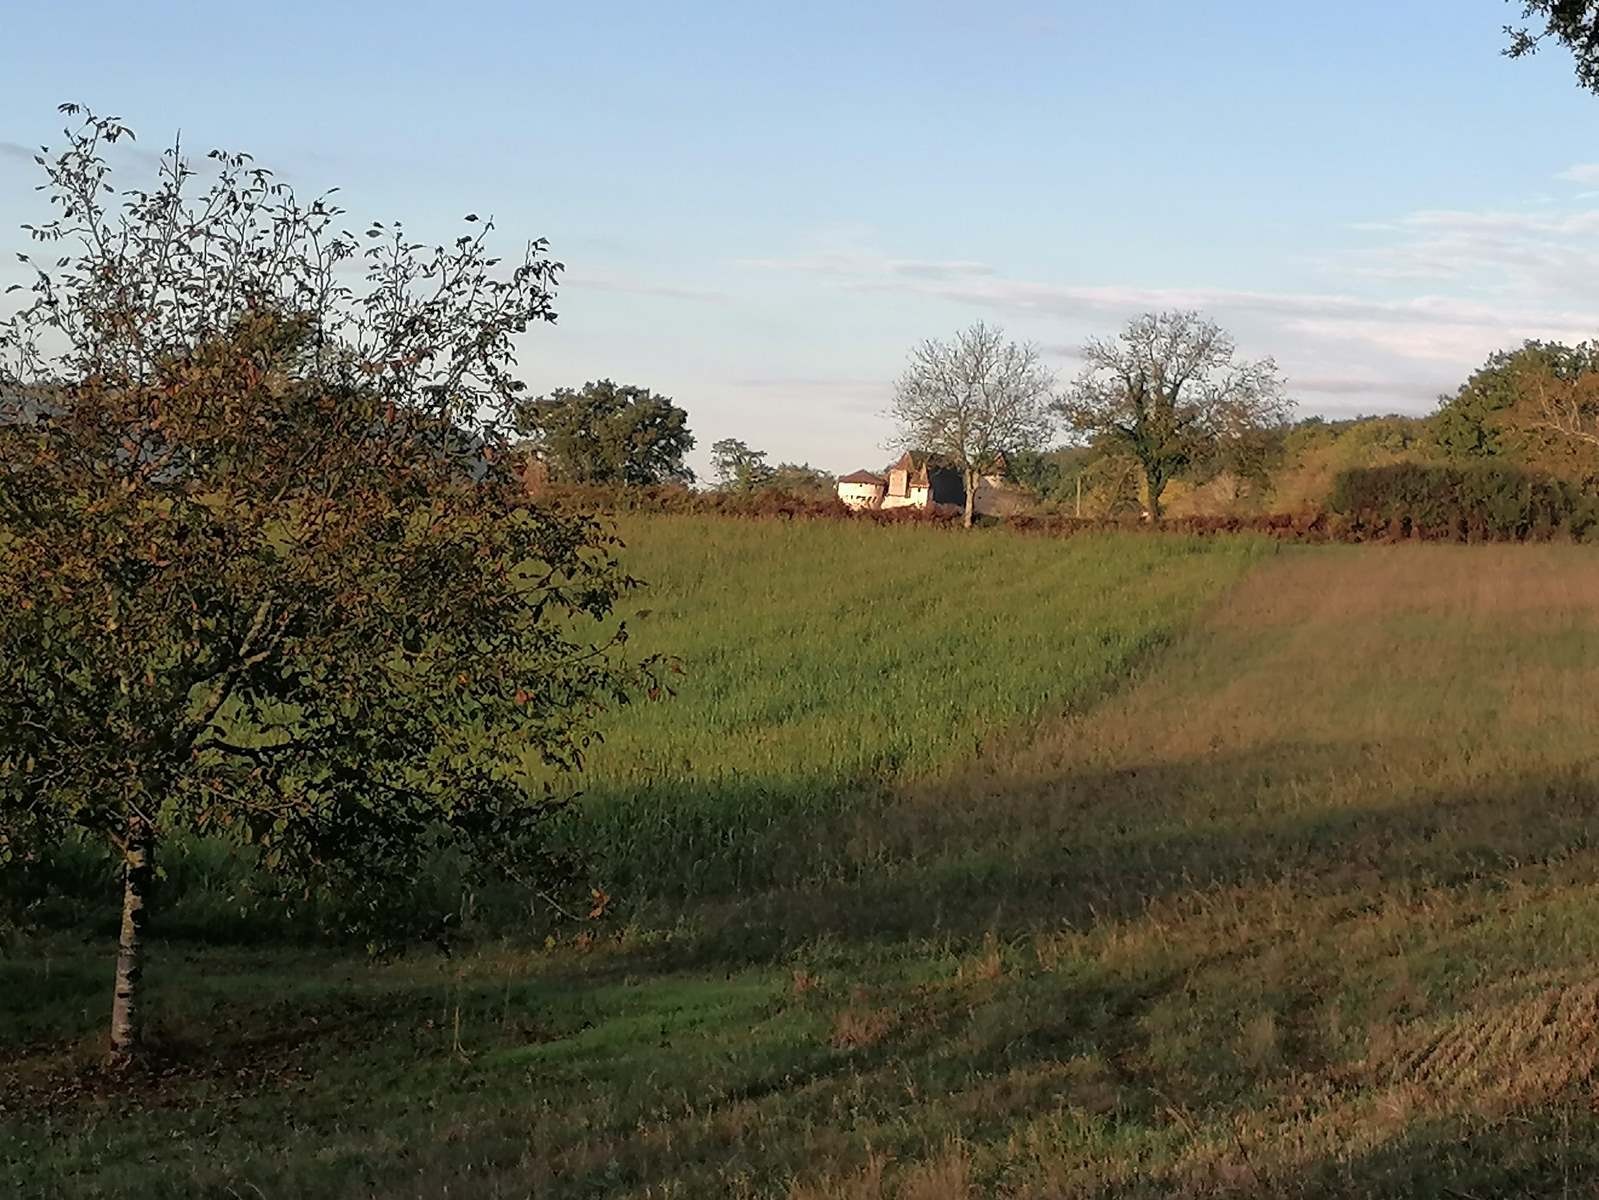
(1014, 857)
(1543, 1151)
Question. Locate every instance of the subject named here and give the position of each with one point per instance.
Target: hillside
(1112, 867)
(826, 663)
(1302, 470)
(1282, 471)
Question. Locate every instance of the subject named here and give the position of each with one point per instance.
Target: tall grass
(827, 663)
(826, 666)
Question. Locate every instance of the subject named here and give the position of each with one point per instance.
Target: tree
(802, 479)
(973, 401)
(254, 581)
(1170, 392)
(1246, 462)
(737, 467)
(1572, 23)
(609, 433)
(1534, 405)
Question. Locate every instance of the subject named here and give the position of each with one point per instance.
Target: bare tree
(1568, 406)
(973, 401)
(1169, 390)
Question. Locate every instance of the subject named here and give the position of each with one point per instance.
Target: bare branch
(974, 402)
(1168, 390)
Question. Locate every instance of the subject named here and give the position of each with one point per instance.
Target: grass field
(826, 665)
(1305, 906)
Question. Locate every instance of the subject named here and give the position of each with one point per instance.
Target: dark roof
(919, 463)
(862, 477)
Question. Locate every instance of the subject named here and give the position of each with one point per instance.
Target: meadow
(826, 665)
(1179, 868)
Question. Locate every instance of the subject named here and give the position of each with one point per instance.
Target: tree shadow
(1013, 856)
(1542, 1151)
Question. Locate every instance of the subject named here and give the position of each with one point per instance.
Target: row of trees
(739, 467)
(1534, 408)
(1170, 393)
(621, 435)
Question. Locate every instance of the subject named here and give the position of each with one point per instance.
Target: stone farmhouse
(920, 480)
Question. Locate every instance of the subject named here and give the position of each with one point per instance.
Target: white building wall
(917, 499)
(860, 495)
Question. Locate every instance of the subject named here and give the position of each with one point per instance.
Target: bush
(1483, 502)
(758, 502)
(1478, 502)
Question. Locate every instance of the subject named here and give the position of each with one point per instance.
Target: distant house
(862, 489)
(919, 480)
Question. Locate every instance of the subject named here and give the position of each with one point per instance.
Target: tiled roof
(862, 477)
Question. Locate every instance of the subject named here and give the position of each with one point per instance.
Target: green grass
(1308, 906)
(826, 664)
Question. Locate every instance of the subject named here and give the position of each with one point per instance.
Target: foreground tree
(610, 434)
(737, 467)
(1170, 392)
(1572, 23)
(974, 401)
(255, 581)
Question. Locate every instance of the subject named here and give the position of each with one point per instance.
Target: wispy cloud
(1476, 280)
(851, 264)
(1429, 326)
(1337, 385)
(1538, 265)
(787, 383)
(600, 281)
(843, 393)
(1587, 173)
(16, 150)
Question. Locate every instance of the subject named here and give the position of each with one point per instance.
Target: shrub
(1476, 502)
(760, 502)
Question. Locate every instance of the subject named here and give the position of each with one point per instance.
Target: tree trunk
(138, 869)
(971, 498)
(1154, 485)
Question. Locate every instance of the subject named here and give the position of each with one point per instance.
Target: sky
(761, 208)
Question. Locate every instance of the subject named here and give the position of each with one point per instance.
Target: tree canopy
(1537, 404)
(738, 467)
(1170, 391)
(1573, 24)
(973, 401)
(255, 581)
(802, 479)
(609, 433)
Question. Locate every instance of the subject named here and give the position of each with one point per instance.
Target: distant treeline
(1403, 502)
(1512, 454)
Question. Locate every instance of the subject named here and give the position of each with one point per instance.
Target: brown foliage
(1314, 525)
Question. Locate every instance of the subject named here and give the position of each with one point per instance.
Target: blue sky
(761, 207)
